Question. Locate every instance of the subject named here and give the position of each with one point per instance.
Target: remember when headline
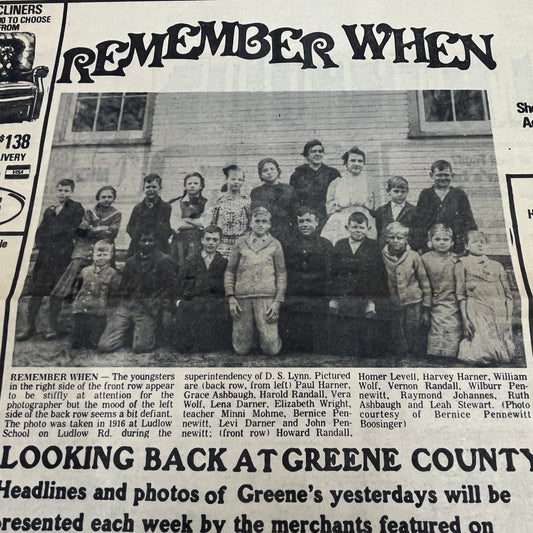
(435, 49)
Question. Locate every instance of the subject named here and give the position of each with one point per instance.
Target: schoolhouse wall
(206, 131)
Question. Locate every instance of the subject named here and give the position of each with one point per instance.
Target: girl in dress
(346, 195)
(186, 218)
(231, 212)
(486, 305)
(446, 330)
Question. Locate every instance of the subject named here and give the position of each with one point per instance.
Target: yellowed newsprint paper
(265, 266)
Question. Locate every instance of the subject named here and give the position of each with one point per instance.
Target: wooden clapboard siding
(206, 131)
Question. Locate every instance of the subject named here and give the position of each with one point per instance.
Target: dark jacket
(454, 211)
(281, 200)
(55, 241)
(311, 187)
(384, 218)
(195, 279)
(153, 218)
(149, 282)
(58, 230)
(360, 275)
(203, 322)
(308, 262)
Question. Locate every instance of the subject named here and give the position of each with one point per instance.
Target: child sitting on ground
(486, 305)
(147, 287)
(255, 283)
(410, 293)
(98, 282)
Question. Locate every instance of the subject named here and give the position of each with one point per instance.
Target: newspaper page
(265, 266)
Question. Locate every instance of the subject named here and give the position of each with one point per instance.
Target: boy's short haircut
(441, 164)
(153, 177)
(396, 227)
(304, 210)
(397, 182)
(261, 211)
(440, 227)
(472, 233)
(358, 218)
(106, 188)
(102, 244)
(212, 229)
(353, 150)
(66, 182)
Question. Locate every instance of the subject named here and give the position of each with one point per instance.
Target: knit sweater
(256, 270)
(407, 277)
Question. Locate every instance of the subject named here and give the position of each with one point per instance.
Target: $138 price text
(15, 142)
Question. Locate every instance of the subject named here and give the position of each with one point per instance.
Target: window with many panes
(109, 112)
(112, 117)
(450, 112)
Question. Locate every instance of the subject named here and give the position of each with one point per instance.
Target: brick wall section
(206, 131)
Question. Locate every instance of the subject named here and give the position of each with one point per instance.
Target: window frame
(419, 127)
(141, 136)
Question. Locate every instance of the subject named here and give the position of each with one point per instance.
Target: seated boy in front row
(359, 287)
(202, 318)
(410, 292)
(148, 283)
(255, 283)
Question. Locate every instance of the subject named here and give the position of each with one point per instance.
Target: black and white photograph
(266, 266)
(291, 229)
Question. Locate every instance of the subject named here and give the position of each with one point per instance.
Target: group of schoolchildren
(311, 266)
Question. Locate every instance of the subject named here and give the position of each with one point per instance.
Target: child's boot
(33, 310)
(53, 316)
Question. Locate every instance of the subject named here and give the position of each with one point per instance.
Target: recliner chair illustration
(21, 85)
